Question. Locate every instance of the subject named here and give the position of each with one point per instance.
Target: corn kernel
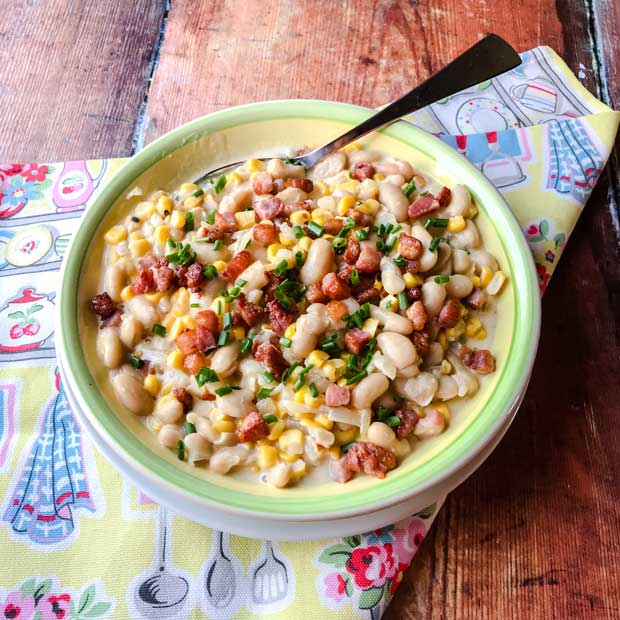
(444, 410)
(289, 332)
(411, 281)
(354, 146)
(475, 280)
(369, 207)
(278, 428)
(245, 219)
(116, 234)
(162, 234)
(287, 242)
(154, 297)
(181, 298)
(177, 219)
(456, 224)
(164, 205)
(291, 441)
(189, 188)
(193, 202)
(135, 235)
(234, 177)
(139, 247)
(341, 382)
(299, 469)
(220, 265)
(189, 322)
(344, 204)
(324, 421)
(299, 217)
(445, 368)
(273, 249)
(370, 326)
(289, 458)
(308, 422)
(167, 388)
(352, 185)
(168, 322)
(334, 452)
(317, 357)
(443, 340)
(254, 165)
(454, 333)
(300, 394)
(378, 177)
(485, 276)
(144, 210)
(175, 359)
(223, 426)
(114, 257)
(481, 335)
(238, 332)
(267, 456)
(322, 187)
(312, 401)
(320, 216)
(496, 283)
(345, 436)
(333, 368)
(473, 327)
(304, 244)
(177, 327)
(127, 293)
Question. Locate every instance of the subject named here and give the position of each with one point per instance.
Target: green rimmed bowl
(306, 511)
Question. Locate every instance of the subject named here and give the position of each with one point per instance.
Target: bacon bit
(363, 219)
(411, 266)
(184, 397)
(210, 232)
(278, 186)
(205, 338)
(355, 340)
(421, 341)
(414, 294)
(194, 277)
(336, 310)
(181, 275)
(333, 226)
(186, 342)
(251, 314)
(305, 185)
(102, 305)
(450, 313)
(369, 260)
(163, 277)
(416, 313)
(262, 183)
(270, 355)
(194, 362)
(112, 321)
(421, 206)
(337, 396)
(279, 318)
(238, 263)
(410, 248)
(352, 251)
(363, 170)
(149, 260)
(264, 234)
(274, 281)
(344, 271)
(365, 290)
(143, 282)
(252, 428)
(335, 288)
(338, 470)
(370, 458)
(315, 294)
(269, 208)
(443, 198)
(299, 205)
(477, 299)
(209, 320)
(432, 424)
(408, 419)
(226, 222)
(480, 360)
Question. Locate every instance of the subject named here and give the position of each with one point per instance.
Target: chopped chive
(355, 277)
(357, 378)
(281, 267)
(436, 222)
(180, 450)
(316, 229)
(189, 221)
(288, 372)
(393, 421)
(423, 193)
(194, 305)
(159, 330)
(339, 244)
(201, 240)
(270, 419)
(234, 292)
(313, 390)
(285, 342)
(227, 320)
(383, 413)
(198, 193)
(241, 282)
(409, 189)
(246, 345)
(298, 232)
(206, 375)
(345, 446)
(299, 258)
(211, 217)
(220, 184)
(217, 245)
(435, 243)
(226, 389)
(270, 378)
(209, 272)
(361, 234)
(136, 362)
(171, 243)
(299, 383)
(223, 338)
(219, 308)
(399, 260)
(442, 279)
(183, 256)
(402, 300)
(264, 392)
(189, 428)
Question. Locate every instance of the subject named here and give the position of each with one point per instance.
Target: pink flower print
(372, 566)
(55, 607)
(532, 230)
(407, 540)
(17, 607)
(335, 586)
(34, 172)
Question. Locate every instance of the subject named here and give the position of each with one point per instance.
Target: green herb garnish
(226, 389)
(393, 421)
(281, 267)
(211, 217)
(189, 221)
(316, 229)
(206, 375)
(285, 342)
(298, 231)
(220, 184)
(442, 279)
(198, 193)
(180, 450)
(409, 189)
(246, 345)
(361, 234)
(270, 419)
(136, 362)
(358, 377)
(436, 222)
(403, 302)
(209, 272)
(159, 330)
(189, 428)
(313, 390)
(217, 245)
(355, 277)
(264, 392)
(435, 243)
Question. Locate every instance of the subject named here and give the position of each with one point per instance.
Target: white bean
(307, 330)
(279, 475)
(131, 331)
(224, 460)
(482, 258)
(169, 410)
(460, 202)
(434, 355)
(468, 238)
(204, 426)
(429, 259)
(278, 169)
(368, 390)
(459, 286)
(391, 321)
(421, 389)
(448, 388)
(467, 382)
(394, 200)
(330, 166)
(198, 448)
(169, 435)
(254, 276)
(237, 404)
(461, 262)
(381, 435)
(398, 166)
(236, 201)
(318, 263)
(433, 296)
(397, 348)
(395, 179)
(114, 280)
(409, 371)
(224, 360)
(110, 347)
(129, 390)
(358, 156)
(432, 424)
(143, 310)
(391, 277)
(290, 195)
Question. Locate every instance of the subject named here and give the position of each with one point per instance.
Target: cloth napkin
(80, 542)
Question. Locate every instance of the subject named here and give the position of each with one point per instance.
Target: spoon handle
(483, 61)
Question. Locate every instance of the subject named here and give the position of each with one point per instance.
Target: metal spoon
(483, 61)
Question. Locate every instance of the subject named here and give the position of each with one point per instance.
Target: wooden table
(534, 533)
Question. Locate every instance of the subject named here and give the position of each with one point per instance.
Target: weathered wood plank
(73, 76)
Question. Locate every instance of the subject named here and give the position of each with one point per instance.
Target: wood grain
(73, 76)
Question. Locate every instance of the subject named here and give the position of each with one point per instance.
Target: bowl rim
(395, 488)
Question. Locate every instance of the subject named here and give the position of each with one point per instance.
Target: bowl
(302, 512)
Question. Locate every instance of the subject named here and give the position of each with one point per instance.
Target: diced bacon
(194, 277)
(238, 263)
(450, 313)
(409, 247)
(338, 470)
(208, 319)
(184, 397)
(416, 313)
(421, 341)
(336, 310)
(355, 340)
(186, 342)
(300, 205)
(269, 208)
(113, 320)
(370, 458)
(344, 271)
(481, 361)
(432, 424)
(262, 183)
(279, 318)
(408, 420)
(443, 197)
(251, 314)
(210, 232)
(163, 277)
(352, 251)
(411, 266)
(274, 282)
(369, 260)
(149, 260)
(365, 290)
(205, 339)
(252, 428)
(335, 288)
(337, 396)
(226, 222)
(181, 275)
(363, 170)
(193, 363)
(103, 306)
(333, 226)
(278, 186)
(423, 205)
(315, 294)
(264, 234)
(414, 294)
(143, 282)
(305, 185)
(363, 219)
(271, 357)
(477, 299)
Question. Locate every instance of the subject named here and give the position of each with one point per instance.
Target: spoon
(220, 578)
(163, 594)
(483, 61)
